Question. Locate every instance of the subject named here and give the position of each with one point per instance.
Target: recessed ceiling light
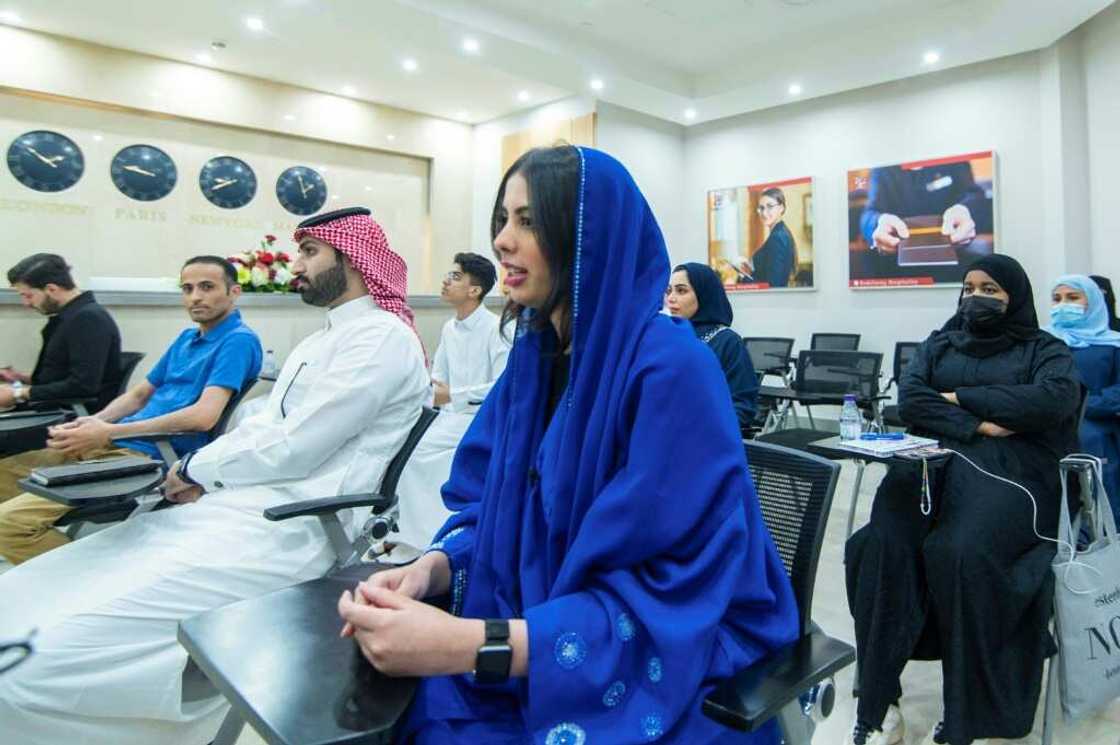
(690, 114)
(409, 65)
(596, 84)
(390, 138)
(795, 89)
(9, 17)
(932, 57)
(289, 117)
(471, 46)
(254, 24)
(349, 90)
(523, 96)
(204, 58)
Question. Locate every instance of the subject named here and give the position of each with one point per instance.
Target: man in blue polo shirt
(186, 391)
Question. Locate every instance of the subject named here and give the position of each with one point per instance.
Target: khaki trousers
(27, 521)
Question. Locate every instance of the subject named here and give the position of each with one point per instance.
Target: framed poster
(920, 224)
(760, 237)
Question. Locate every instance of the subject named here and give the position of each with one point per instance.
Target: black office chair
(904, 351)
(25, 429)
(114, 500)
(321, 690)
(795, 493)
(823, 379)
(770, 355)
(835, 342)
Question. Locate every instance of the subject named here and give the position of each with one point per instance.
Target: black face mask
(982, 314)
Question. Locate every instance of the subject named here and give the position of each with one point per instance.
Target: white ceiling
(663, 57)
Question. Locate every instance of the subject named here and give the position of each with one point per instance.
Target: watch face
(143, 172)
(301, 190)
(228, 182)
(45, 161)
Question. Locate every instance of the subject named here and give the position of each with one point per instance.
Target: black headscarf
(714, 309)
(1109, 299)
(1020, 322)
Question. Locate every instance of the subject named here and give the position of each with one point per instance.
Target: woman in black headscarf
(1109, 299)
(696, 293)
(961, 575)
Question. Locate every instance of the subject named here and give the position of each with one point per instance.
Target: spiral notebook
(886, 447)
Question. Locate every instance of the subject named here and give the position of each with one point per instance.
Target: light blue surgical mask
(1066, 315)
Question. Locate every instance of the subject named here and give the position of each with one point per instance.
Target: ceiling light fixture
(409, 65)
(254, 24)
(690, 114)
(596, 84)
(10, 17)
(523, 96)
(217, 46)
(471, 46)
(795, 89)
(932, 57)
(349, 90)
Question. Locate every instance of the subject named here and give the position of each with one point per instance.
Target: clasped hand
(80, 436)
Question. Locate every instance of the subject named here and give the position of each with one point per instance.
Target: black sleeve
(89, 342)
(1052, 396)
(924, 408)
(740, 374)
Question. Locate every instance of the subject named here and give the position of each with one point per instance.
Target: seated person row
(1079, 316)
(961, 573)
(81, 353)
(107, 667)
(696, 293)
(624, 568)
(186, 391)
(470, 357)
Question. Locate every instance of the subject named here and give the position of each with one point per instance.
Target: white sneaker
(889, 733)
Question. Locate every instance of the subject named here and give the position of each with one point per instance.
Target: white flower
(283, 275)
(259, 276)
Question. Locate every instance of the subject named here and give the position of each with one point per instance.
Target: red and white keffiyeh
(363, 242)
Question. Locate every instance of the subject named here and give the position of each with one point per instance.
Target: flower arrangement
(265, 269)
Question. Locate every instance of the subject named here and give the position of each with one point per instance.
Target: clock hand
(41, 157)
(223, 183)
(138, 169)
(304, 189)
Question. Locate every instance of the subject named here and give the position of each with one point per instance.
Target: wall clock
(143, 172)
(301, 190)
(228, 182)
(45, 161)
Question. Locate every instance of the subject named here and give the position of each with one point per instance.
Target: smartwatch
(492, 663)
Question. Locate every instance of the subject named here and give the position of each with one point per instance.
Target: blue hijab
(637, 556)
(1091, 328)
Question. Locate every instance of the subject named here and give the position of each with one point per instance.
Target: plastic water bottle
(851, 421)
(269, 367)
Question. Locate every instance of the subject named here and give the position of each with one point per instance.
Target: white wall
(1100, 53)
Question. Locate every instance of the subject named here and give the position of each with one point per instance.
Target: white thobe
(469, 360)
(107, 667)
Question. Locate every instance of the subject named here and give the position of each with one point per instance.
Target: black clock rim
(64, 183)
(174, 173)
(288, 204)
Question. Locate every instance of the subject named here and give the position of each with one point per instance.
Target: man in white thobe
(107, 667)
(469, 360)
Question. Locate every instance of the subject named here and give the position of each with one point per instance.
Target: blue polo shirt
(229, 356)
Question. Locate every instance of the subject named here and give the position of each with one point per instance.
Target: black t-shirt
(81, 354)
(561, 371)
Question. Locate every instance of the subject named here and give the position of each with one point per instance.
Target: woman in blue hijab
(1079, 316)
(696, 293)
(621, 568)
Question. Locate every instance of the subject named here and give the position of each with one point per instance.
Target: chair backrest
(839, 342)
(836, 373)
(769, 354)
(904, 351)
(219, 428)
(396, 466)
(795, 493)
(129, 361)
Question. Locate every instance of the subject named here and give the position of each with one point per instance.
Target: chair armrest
(154, 436)
(757, 694)
(327, 505)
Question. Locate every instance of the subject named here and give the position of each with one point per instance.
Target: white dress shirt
(470, 358)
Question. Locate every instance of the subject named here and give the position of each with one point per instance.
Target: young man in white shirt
(469, 360)
(107, 666)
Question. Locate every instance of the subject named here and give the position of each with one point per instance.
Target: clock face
(45, 161)
(301, 190)
(143, 172)
(228, 182)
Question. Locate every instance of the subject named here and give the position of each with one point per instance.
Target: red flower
(270, 238)
(272, 274)
(266, 258)
(282, 256)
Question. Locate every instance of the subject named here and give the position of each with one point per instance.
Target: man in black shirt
(81, 352)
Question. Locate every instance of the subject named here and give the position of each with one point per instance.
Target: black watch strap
(497, 630)
(492, 664)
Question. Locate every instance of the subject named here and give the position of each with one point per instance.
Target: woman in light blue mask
(1078, 317)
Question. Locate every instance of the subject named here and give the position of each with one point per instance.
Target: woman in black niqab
(969, 583)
